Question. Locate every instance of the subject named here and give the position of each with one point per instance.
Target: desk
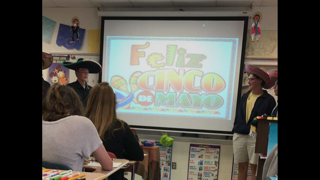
(142, 168)
(93, 176)
(263, 129)
(90, 175)
(153, 162)
(107, 173)
(133, 170)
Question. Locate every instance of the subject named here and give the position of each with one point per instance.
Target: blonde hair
(101, 108)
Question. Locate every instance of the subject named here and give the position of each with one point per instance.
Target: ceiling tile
(257, 2)
(112, 3)
(193, 3)
(269, 3)
(234, 3)
(73, 3)
(48, 4)
(152, 3)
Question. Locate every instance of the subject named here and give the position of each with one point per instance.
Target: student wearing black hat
(82, 69)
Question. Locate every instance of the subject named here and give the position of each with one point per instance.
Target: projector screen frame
(245, 19)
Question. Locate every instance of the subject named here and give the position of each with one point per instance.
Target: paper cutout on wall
(65, 35)
(94, 40)
(255, 28)
(47, 28)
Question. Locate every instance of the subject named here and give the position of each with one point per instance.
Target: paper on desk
(115, 164)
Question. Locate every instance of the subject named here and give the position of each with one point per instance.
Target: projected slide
(172, 76)
(174, 72)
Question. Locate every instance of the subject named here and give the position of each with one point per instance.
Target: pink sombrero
(262, 74)
(273, 74)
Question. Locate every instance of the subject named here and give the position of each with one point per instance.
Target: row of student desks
(99, 174)
(149, 168)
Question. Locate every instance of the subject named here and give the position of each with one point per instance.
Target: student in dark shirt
(116, 134)
(82, 69)
(46, 62)
(256, 102)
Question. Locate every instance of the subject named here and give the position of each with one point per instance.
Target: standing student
(255, 102)
(270, 167)
(116, 134)
(82, 69)
(67, 136)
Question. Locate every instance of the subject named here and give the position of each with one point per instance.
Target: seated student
(115, 133)
(67, 136)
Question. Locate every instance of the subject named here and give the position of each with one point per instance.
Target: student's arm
(103, 157)
(272, 104)
(132, 149)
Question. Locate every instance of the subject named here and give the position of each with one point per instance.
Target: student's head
(255, 82)
(101, 107)
(61, 101)
(258, 78)
(273, 74)
(275, 87)
(82, 74)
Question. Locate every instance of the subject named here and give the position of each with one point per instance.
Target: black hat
(91, 65)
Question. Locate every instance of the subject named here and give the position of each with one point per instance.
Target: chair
(51, 165)
(113, 156)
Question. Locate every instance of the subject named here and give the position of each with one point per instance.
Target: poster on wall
(203, 162)
(94, 40)
(70, 36)
(235, 172)
(58, 74)
(48, 26)
(165, 160)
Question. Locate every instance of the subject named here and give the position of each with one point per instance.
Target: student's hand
(86, 161)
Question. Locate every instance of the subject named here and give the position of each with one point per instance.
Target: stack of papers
(115, 164)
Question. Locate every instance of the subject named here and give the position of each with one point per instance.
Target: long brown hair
(101, 108)
(61, 101)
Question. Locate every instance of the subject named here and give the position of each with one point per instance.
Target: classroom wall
(90, 20)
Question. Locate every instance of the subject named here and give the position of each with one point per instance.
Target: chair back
(51, 165)
(112, 155)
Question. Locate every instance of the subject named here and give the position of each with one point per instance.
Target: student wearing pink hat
(255, 102)
(270, 167)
